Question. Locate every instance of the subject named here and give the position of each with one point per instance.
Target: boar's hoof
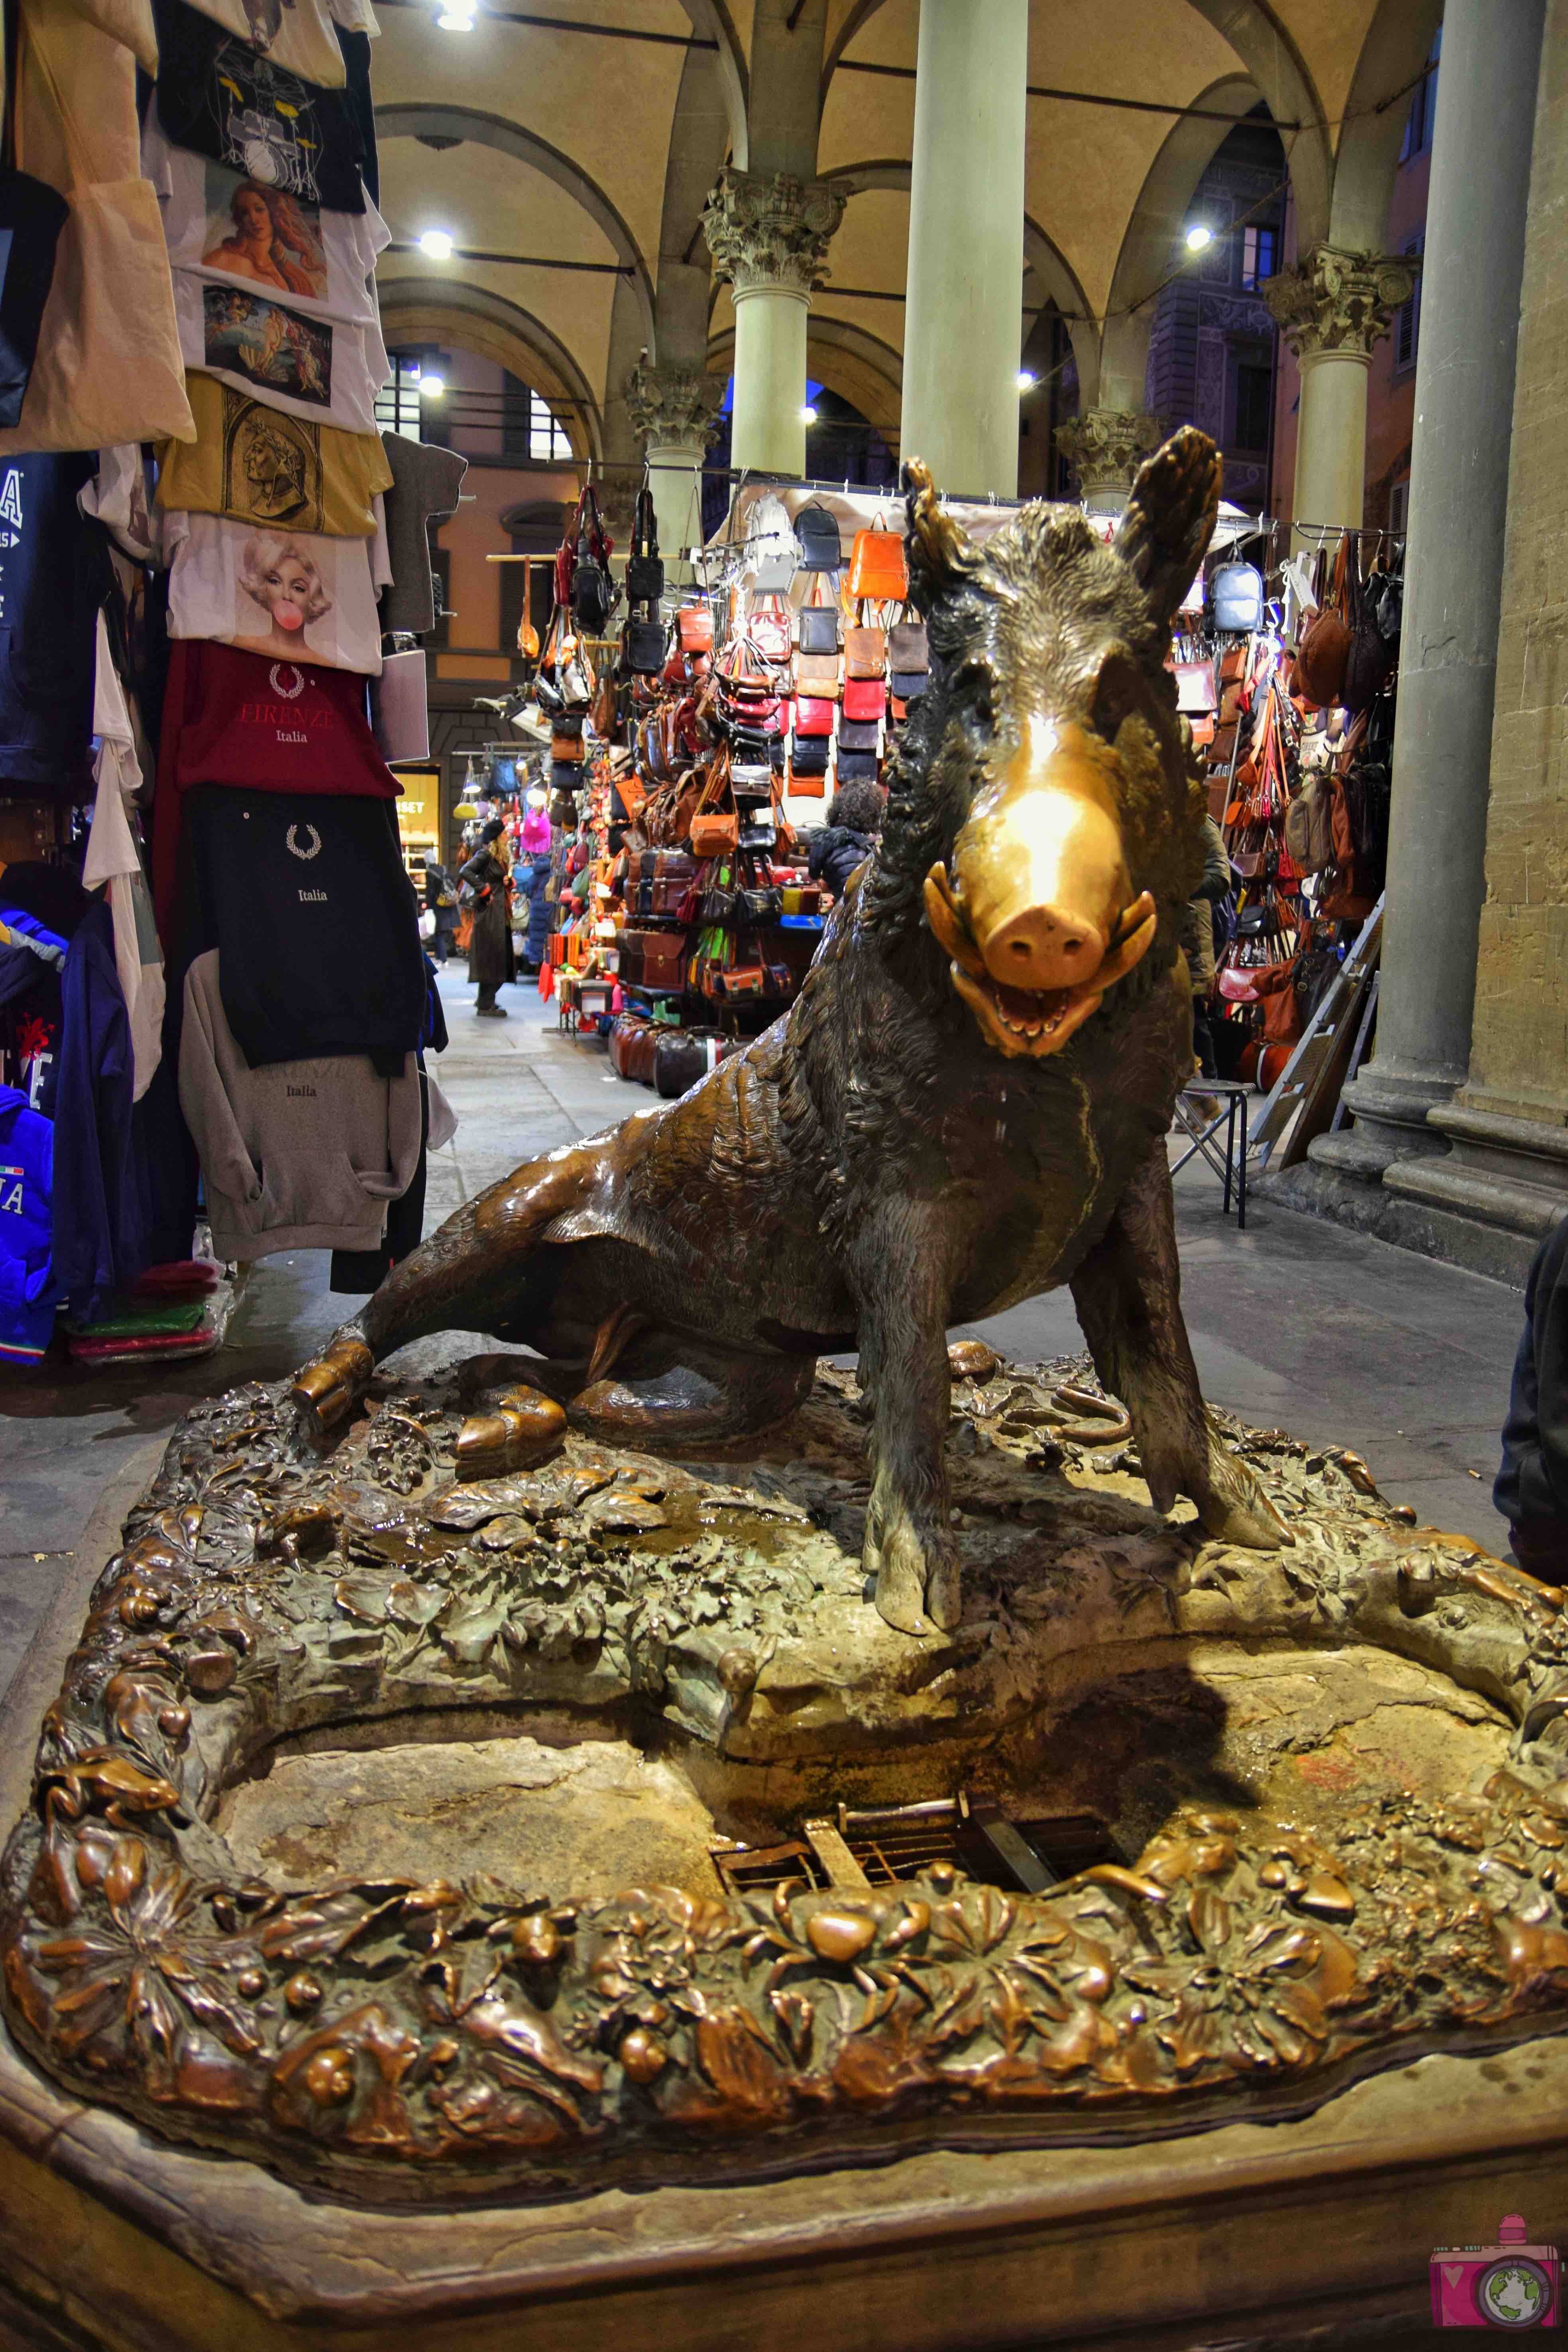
(524, 1430)
(1234, 1509)
(328, 1390)
(916, 1589)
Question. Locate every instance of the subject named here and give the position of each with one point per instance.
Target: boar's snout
(1040, 917)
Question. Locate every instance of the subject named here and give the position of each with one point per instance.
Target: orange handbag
(876, 564)
(694, 624)
(805, 788)
(716, 830)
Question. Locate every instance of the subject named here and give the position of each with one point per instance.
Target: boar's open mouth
(1034, 1022)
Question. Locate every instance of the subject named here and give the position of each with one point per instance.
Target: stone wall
(1519, 1060)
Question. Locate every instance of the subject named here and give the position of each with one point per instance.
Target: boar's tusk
(1130, 942)
(946, 925)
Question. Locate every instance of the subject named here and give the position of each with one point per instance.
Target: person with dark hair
(441, 898)
(855, 820)
(1531, 1489)
(491, 959)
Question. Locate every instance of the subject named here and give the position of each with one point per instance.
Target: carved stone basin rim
(394, 2039)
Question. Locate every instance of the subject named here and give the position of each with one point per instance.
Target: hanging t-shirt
(118, 496)
(303, 365)
(53, 576)
(426, 486)
(355, 43)
(113, 859)
(305, 899)
(218, 96)
(221, 225)
(253, 463)
(290, 595)
(297, 34)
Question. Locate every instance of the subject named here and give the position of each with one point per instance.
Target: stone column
(963, 316)
(1332, 310)
(768, 235)
(1105, 447)
(673, 412)
(1458, 501)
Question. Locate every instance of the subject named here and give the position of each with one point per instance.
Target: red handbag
(813, 716)
(864, 698)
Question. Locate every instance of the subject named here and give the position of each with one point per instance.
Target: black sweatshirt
(1531, 1488)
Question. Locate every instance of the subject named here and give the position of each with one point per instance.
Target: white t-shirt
(280, 353)
(224, 227)
(289, 595)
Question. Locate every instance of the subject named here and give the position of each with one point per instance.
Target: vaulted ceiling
(589, 132)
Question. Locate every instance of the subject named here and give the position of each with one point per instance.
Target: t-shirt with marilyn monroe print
(287, 595)
(220, 224)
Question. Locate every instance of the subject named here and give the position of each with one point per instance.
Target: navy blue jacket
(27, 1288)
(101, 1217)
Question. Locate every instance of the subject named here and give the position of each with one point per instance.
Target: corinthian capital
(1105, 447)
(1338, 302)
(673, 408)
(770, 230)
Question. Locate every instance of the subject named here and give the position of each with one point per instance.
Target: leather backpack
(817, 532)
(1325, 643)
(644, 571)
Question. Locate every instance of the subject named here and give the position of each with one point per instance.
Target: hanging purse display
(694, 628)
(811, 755)
(819, 629)
(858, 767)
(813, 715)
(817, 535)
(1368, 657)
(807, 783)
(32, 215)
(865, 653)
(644, 570)
(645, 648)
(907, 685)
(589, 590)
(877, 568)
(820, 675)
(1326, 642)
(1235, 599)
(858, 735)
(864, 698)
(907, 647)
(715, 823)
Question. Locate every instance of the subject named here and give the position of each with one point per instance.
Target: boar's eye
(973, 689)
(1119, 688)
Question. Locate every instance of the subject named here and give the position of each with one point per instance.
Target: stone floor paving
(1294, 1323)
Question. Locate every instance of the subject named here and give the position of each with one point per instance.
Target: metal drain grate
(886, 1844)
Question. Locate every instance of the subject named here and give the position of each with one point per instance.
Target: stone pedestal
(1332, 310)
(963, 314)
(1105, 447)
(673, 412)
(768, 235)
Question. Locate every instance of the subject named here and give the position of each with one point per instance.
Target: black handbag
(644, 571)
(821, 549)
(810, 757)
(32, 215)
(857, 735)
(818, 627)
(908, 685)
(644, 645)
(858, 767)
(594, 592)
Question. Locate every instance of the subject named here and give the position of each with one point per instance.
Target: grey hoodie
(299, 1155)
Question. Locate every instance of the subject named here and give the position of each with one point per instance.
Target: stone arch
(711, 20)
(1277, 67)
(858, 17)
(859, 366)
(1395, 47)
(412, 310)
(412, 119)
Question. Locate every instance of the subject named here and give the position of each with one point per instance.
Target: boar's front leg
(1127, 1293)
(900, 1280)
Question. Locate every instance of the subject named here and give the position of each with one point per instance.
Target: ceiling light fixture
(1026, 381)
(431, 387)
(436, 244)
(807, 415)
(1198, 235)
(456, 17)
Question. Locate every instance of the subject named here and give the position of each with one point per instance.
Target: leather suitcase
(660, 957)
(681, 1056)
(625, 1043)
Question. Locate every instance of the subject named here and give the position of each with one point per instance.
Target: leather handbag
(906, 685)
(859, 735)
(694, 626)
(811, 755)
(817, 533)
(644, 646)
(819, 629)
(627, 1029)
(1326, 644)
(908, 647)
(681, 1056)
(864, 698)
(820, 673)
(1368, 657)
(566, 749)
(1196, 692)
(858, 767)
(806, 783)
(865, 652)
(877, 568)
(644, 572)
(594, 594)
(813, 715)
(1235, 599)
(715, 824)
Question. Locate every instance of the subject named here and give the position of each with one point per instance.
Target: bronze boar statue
(966, 1105)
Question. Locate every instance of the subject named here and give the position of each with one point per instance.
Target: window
(1400, 507)
(1254, 393)
(547, 435)
(1423, 113)
(397, 403)
(1260, 253)
(1407, 317)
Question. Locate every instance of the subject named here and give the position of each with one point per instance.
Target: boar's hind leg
(1127, 1293)
(900, 1287)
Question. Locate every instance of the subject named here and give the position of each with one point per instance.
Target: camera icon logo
(1510, 2284)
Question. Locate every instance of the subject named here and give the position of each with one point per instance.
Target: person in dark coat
(1197, 942)
(491, 959)
(836, 848)
(441, 898)
(1531, 1489)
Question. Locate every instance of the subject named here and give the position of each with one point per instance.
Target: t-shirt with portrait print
(221, 99)
(220, 224)
(304, 366)
(289, 595)
(256, 465)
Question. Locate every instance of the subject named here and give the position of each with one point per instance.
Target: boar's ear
(940, 552)
(1169, 519)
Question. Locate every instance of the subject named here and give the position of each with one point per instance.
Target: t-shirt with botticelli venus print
(292, 595)
(304, 366)
(220, 223)
(256, 465)
(224, 99)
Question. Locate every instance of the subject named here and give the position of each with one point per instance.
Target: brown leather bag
(1325, 645)
(865, 653)
(715, 828)
(1366, 662)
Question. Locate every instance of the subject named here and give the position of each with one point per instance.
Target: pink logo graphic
(1510, 2284)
